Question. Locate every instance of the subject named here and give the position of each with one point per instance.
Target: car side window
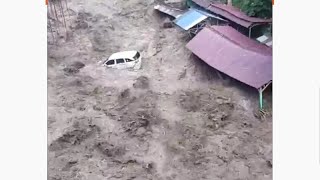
(119, 61)
(111, 62)
(128, 60)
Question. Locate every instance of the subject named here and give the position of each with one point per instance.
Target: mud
(142, 82)
(172, 119)
(73, 68)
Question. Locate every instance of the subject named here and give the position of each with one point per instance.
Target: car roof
(123, 54)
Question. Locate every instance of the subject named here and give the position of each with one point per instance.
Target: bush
(255, 8)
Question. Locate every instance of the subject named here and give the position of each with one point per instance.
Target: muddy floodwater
(172, 119)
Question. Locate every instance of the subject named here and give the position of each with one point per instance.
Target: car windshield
(136, 56)
(110, 62)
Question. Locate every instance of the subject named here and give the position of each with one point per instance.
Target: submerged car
(124, 60)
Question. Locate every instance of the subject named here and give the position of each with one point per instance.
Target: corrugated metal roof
(230, 17)
(232, 13)
(227, 56)
(238, 13)
(241, 40)
(169, 10)
(190, 19)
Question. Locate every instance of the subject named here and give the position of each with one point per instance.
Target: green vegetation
(255, 8)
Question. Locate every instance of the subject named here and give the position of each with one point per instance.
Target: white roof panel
(262, 38)
(269, 43)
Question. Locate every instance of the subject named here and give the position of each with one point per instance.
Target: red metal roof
(232, 57)
(232, 13)
(238, 13)
(242, 40)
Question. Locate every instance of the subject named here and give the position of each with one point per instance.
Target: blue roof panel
(190, 19)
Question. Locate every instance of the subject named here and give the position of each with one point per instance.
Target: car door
(130, 62)
(110, 63)
(121, 64)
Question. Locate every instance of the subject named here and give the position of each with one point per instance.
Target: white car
(124, 60)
